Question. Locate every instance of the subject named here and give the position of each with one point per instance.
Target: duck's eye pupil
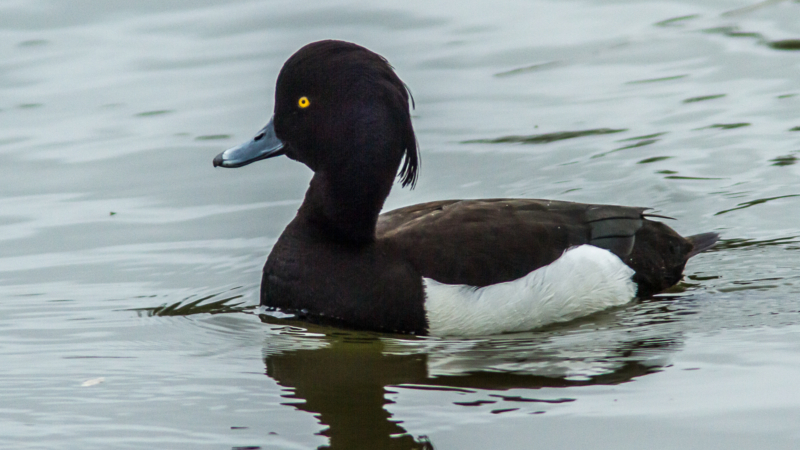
(303, 102)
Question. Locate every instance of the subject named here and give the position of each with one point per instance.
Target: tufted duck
(453, 267)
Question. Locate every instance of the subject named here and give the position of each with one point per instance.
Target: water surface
(130, 268)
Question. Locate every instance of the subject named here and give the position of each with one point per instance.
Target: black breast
(370, 286)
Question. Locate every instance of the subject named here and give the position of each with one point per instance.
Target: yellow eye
(303, 102)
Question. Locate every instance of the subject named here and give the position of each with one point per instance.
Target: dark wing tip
(702, 242)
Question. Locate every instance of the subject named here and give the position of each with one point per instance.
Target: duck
(443, 268)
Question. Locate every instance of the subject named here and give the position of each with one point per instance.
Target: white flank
(584, 280)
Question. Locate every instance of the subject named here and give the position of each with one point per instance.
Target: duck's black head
(338, 106)
(341, 110)
(334, 99)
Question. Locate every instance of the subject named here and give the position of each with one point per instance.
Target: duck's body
(449, 267)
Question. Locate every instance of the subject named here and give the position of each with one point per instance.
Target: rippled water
(129, 267)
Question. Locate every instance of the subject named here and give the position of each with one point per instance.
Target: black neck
(354, 169)
(345, 208)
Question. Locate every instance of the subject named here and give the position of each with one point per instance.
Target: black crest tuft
(409, 172)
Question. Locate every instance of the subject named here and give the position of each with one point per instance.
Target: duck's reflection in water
(342, 377)
(343, 385)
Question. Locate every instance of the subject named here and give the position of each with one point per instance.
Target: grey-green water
(113, 224)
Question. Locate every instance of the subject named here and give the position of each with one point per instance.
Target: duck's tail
(702, 242)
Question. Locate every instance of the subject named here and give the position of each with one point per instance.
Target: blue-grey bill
(264, 145)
